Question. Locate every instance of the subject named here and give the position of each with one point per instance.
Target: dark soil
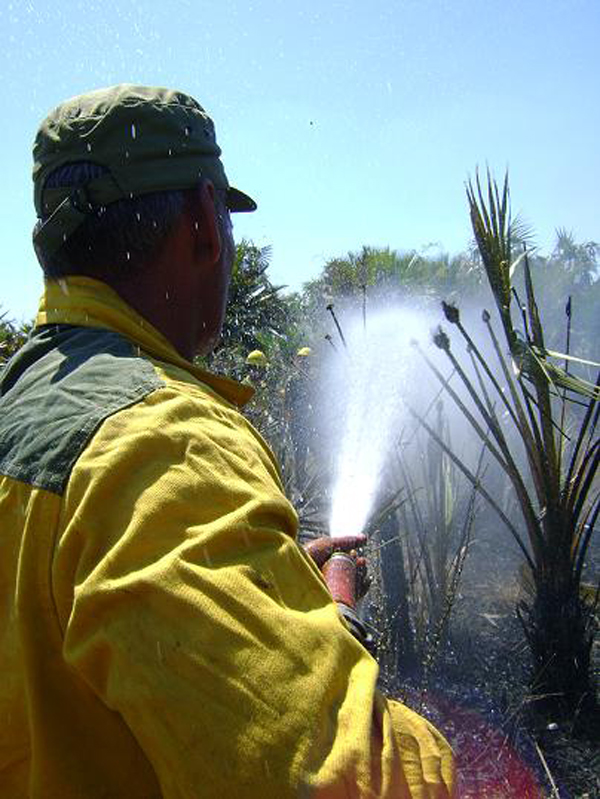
(478, 695)
(505, 747)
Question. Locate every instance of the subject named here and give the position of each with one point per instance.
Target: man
(161, 632)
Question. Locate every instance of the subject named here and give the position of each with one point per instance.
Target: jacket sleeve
(188, 608)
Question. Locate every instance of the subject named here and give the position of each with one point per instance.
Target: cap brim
(238, 201)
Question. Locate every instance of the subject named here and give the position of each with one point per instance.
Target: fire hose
(340, 574)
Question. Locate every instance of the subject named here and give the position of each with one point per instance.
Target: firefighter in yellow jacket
(162, 635)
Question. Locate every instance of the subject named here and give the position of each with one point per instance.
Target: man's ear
(209, 228)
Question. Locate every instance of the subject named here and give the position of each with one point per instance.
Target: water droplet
(126, 153)
(170, 151)
(166, 295)
(187, 130)
(133, 131)
(196, 225)
(138, 216)
(128, 255)
(89, 147)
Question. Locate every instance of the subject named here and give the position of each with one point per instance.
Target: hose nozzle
(340, 575)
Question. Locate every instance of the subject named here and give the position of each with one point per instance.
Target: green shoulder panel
(57, 391)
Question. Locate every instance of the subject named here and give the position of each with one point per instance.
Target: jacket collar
(91, 303)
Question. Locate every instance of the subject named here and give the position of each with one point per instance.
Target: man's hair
(115, 241)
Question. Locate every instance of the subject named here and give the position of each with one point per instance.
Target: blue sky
(351, 123)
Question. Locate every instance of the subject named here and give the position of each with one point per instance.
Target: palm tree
(392, 274)
(556, 489)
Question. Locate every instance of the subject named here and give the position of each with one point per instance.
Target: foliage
(579, 260)
(12, 336)
(391, 274)
(258, 316)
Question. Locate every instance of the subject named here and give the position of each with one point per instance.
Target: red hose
(340, 575)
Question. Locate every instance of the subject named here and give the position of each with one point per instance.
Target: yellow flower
(256, 358)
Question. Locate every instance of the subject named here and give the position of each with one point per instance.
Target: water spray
(372, 366)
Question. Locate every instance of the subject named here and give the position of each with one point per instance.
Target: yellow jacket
(162, 635)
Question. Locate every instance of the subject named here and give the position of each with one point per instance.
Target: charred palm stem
(337, 324)
(560, 636)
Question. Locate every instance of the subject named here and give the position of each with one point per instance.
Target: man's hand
(321, 549)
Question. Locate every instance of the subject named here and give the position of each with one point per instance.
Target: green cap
(150, 139)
